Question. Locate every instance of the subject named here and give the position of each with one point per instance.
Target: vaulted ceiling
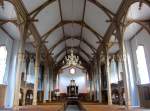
(63, 24)
(72, 23)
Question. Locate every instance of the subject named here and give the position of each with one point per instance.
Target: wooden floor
(87, 107)
(110, 108)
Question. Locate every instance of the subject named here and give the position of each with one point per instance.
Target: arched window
(3, 57)
(142, 66)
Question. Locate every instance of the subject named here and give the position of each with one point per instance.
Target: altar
(72, 89)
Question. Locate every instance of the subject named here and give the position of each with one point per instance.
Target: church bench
(39, 108)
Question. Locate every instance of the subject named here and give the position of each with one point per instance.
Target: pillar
(45, 80)
(50, 83)
(24, 96)
(20, 60)
(90, 84)
(94, 84)
(99, 80)
(37, 71)
(124, 67)
(108, 76)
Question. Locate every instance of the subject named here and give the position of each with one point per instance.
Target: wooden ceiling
(59, 25)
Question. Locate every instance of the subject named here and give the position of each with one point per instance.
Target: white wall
(143, 38)
(132, 75)
(10, 73)
(8, 42)
(79, 77)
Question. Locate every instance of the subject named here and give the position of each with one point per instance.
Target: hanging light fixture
(72, 60)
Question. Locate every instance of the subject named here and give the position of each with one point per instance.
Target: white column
(99, 80)
(20, 60)
(124, 67)
(37, 68)
(108, 76)
(45, 81)
(50, 83)
(94, 83)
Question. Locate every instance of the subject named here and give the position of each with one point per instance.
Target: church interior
(74, 55)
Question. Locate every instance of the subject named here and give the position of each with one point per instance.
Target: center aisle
(72, 108)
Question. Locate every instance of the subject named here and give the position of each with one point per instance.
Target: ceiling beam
(82, 21)
(138, 31)
(22, 11)
(36, 11)
(122, 10)
(46, 35)
(11, 37)
(143, 23)
(67, 38)
(4, 21)
(60, 10)
(108, 12)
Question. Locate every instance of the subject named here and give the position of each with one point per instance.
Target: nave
(85, 107)
(61, 55)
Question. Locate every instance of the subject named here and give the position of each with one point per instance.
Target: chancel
(72, 89)
(75, 55)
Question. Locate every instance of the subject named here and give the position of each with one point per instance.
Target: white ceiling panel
(72, 29)
(61, 56)
(12, 30)
(29, 47)
(54, 37)
(136, 13)
(72, 9)
(32, 4)
(131, 30)
(114, 49)
(72, 42)
(96, 18)
(84, 56)
(112, 5)
(58, 48)
(90, 37)
(7, 11)
(86, 48)
(48, 18)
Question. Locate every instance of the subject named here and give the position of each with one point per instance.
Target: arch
(12, 20)
(60, 24)
(44, 5)
(67, 38)
(139, 22)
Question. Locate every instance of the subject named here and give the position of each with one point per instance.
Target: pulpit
(72, 89)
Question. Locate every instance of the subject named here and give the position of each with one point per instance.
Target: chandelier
(72, 60)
